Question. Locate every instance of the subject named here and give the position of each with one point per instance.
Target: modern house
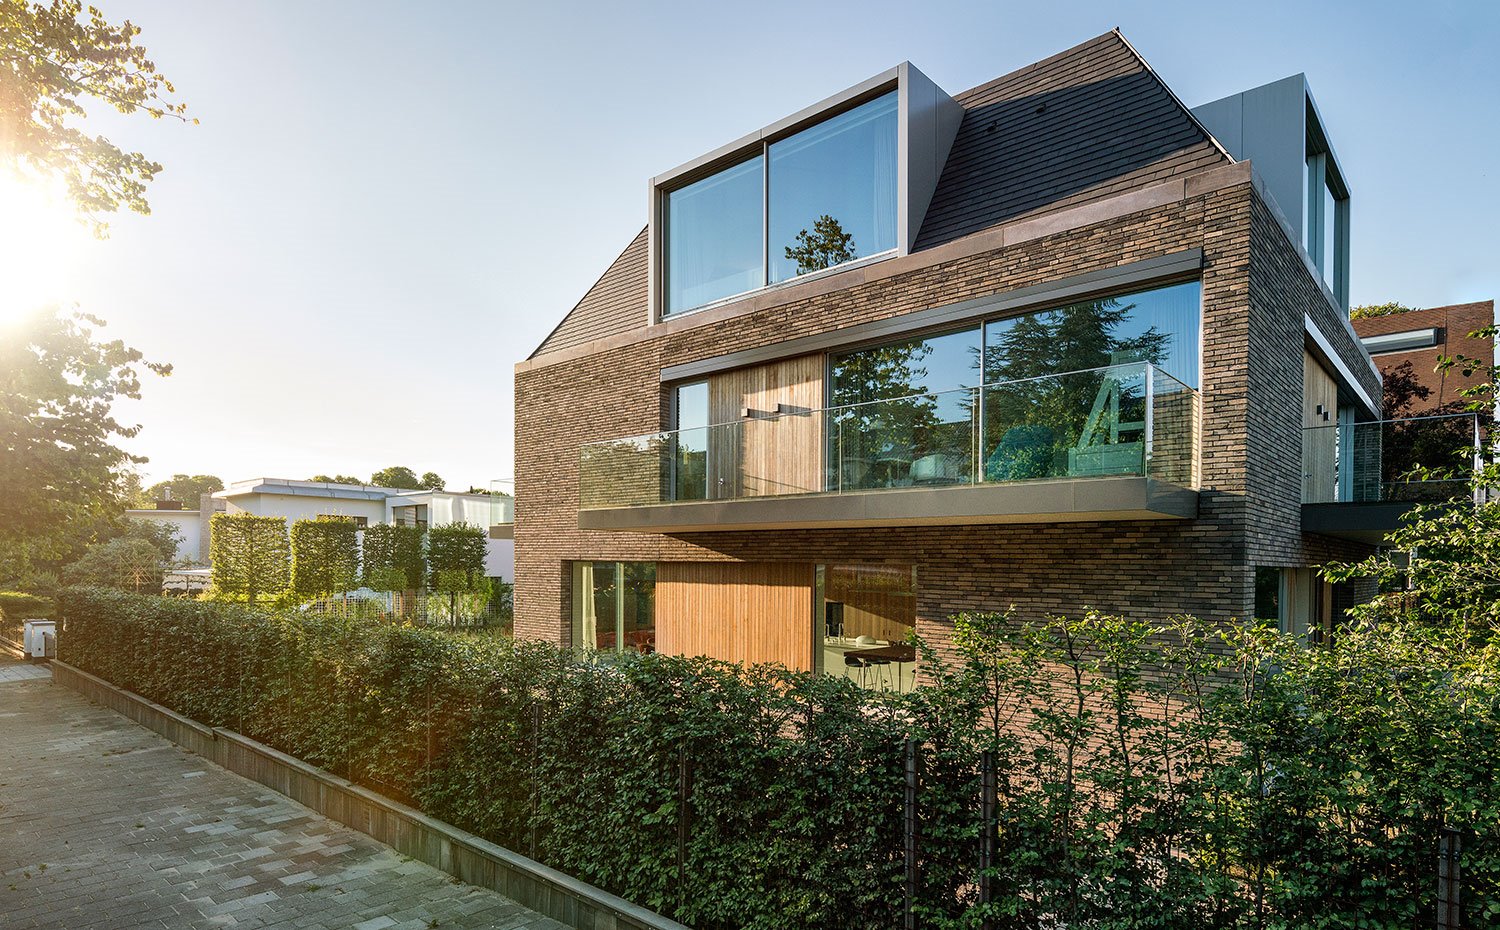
(1054, 342)
(367, 504)
(1420, 337)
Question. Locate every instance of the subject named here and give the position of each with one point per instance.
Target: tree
(62, 476)
(393, 557)
(397, 476)
(455, 556)
(1483, 395)
(827, 245)
(129, 563)
(1367, 311)
(250, 556)
(336, 479)
(186, 488)
(325, 556)
(1401, 390)
(53, 59)
(431, 481)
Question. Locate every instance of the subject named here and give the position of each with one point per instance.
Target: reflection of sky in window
(844, 167)
(714, 246)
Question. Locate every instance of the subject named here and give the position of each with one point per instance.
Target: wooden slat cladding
(761, 456)
(1320, 398)
(737, 611)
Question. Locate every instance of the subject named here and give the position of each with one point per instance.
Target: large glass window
(831, 199)
(1052, 393)
(614, 606)
(690, 455)
(833, 191)
(714, 244)
(869, 612)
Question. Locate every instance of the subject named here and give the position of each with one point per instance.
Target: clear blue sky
(387, 205)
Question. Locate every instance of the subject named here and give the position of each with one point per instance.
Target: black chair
(855, 662)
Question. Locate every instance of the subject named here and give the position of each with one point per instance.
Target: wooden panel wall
(767, 456)
(737, 611)
(1320, 401)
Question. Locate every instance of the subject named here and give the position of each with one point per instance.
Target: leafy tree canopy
(129, 563)
(1365, 311)
(61, 471)
(53, 58)
(336, 479)
(185, 488)
(399, 476)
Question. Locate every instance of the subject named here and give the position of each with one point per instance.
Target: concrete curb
(405, 829)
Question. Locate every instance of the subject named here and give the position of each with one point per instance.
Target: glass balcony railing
(1125, 420)
(1424, 459)
(502, 501)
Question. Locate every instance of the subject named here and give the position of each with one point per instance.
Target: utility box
(39, 639)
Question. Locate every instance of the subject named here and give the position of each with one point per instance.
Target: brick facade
(1453, 323)
(1256, 291)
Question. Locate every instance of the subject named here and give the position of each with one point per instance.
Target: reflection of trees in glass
(1028, 424)
(827, 245)
(896, 423)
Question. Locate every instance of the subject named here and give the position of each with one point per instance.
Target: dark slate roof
(615, 304)
(1084, 124)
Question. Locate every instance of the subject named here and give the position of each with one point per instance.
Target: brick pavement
(104, 824)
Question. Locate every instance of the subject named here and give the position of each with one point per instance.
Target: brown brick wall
(1147, 568)
(1454, 323)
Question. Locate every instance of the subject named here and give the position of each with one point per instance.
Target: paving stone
(105, 824)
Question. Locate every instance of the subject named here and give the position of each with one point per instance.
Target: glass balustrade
(1423, 459)
(502, 503)
(1125, 420)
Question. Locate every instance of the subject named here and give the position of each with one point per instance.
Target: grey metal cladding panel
(1062, 501)
(1079, 125)
(615, 304)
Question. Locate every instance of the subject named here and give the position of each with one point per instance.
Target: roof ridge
(1173, 94)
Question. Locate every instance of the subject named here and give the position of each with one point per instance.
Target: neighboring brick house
(1420, 337)
(1045, 344)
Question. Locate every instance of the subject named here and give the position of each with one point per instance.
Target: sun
(41, 241)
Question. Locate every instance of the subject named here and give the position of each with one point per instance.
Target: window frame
(659, 250)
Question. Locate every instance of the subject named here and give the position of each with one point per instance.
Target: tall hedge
(251, 556)
(455, 556)
(391, 552)
(324, 556)
(1181, 777)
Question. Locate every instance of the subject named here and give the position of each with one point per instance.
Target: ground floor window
(864, 615)
(1300, 601)
(614, 606)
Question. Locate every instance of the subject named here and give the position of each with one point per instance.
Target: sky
(386, 205)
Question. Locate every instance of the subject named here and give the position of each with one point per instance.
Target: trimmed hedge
(1143, 777)
(324, 556)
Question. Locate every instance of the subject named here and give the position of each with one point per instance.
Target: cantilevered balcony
(1117, 443)
(1361, 479)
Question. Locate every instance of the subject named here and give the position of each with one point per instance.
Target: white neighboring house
(190, 573)
(367, 504)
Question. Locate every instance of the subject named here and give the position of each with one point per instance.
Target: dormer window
(809, 201)
(847, 180)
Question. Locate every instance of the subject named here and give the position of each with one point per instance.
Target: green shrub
(130, 563)
(250, 556)
(1177, 777)
(393, 557)
(22, 606)
(325, 556)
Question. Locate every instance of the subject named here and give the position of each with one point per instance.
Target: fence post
(987, 832)
(909, 823)
(684, 818)
(1450, 913)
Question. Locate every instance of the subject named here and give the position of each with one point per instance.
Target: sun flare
(40, 242)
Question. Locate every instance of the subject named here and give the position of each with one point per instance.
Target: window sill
(782, 285)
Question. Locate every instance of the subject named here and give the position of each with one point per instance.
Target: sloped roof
(616, 303)
(1084, 124)
(1081, 125)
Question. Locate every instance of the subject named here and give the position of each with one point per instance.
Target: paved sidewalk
(104, 824)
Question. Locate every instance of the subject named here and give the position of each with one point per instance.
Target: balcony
(1361, 479)
(1116, 443)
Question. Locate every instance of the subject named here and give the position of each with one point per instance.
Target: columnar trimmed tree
(250, 556)
(393, 557)
(455, 556)
(325, 556)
